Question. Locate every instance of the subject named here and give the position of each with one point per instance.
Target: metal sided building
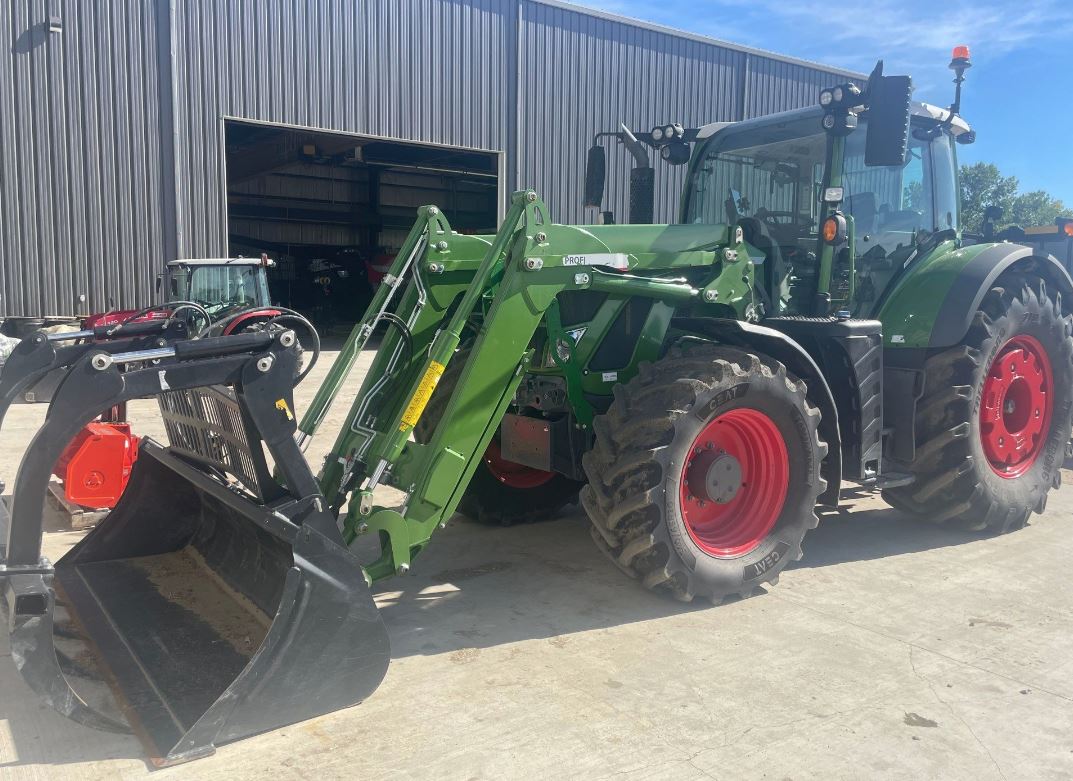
(137, 131)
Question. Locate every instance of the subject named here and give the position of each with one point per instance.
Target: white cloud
(908, 29)
(908, 34)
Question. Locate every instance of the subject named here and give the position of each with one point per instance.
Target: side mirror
(888, 120)
(642, 195)
(595, 174)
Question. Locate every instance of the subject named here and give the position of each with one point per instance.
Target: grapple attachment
(36, 366)
(217, 601)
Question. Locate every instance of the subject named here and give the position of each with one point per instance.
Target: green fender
(932, 306)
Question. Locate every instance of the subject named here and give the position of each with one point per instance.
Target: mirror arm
(637, 149)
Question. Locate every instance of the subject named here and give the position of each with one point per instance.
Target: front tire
(993, 425)
(705, 473)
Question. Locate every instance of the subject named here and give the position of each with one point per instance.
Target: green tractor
(816, 316)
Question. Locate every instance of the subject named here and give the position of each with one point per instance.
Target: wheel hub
(1015, 408)
(722, 480)
(734, 482)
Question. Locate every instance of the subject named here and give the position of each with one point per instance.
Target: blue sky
(1018, 94)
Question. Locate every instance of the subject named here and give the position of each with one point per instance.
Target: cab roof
(922, 110)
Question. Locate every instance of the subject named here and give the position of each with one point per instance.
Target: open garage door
(333, 209)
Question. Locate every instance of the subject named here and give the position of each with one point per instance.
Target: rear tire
(499, 492)
(994, 422)
(708, 423)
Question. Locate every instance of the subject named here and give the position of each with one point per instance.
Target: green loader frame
(510, 283)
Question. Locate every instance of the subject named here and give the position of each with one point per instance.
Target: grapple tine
(38, 361)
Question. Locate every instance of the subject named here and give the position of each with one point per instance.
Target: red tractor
(216, 297)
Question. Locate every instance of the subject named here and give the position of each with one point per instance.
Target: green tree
(983, 185)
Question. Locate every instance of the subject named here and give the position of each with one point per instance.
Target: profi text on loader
(816, 316)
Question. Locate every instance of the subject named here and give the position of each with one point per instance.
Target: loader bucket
(214, 608)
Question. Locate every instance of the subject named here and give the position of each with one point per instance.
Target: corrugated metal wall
(111, 132)
(582, 74)
(81, 168)
(434, 71)
(780, 86)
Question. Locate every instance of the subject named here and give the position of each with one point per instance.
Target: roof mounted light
(959, 63)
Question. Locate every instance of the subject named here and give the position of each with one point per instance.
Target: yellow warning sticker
(421, 396)
(282, 406)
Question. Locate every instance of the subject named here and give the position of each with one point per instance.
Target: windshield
(220, 287)
(768, 179)
(771, 172)
(775, 171)
(893, 204)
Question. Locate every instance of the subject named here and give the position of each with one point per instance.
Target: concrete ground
(892, 650)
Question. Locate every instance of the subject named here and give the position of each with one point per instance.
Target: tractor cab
(835, 202)
(220, 285)
(770, 176)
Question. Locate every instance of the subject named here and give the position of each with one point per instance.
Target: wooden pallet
(71, 516)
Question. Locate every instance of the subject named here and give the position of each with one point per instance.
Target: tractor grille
(205, 425)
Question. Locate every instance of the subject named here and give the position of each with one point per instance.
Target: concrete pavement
(892, 650)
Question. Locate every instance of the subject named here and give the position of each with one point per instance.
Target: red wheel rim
(1015, 408)
(511, 474)
(734, 482)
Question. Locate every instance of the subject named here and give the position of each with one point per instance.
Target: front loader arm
(376, 445)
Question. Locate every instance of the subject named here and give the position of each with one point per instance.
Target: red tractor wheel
(993, 425)
(705, 473)
(734, 483)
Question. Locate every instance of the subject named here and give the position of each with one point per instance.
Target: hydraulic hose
(173, 307)
(285, 314)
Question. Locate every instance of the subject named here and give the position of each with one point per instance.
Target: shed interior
(332, 210)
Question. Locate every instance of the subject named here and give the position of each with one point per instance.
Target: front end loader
(217, 599)
(817, 316)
